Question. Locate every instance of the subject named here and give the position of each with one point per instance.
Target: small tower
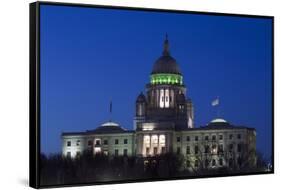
(140, 110)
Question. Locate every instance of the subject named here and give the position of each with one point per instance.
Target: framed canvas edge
(34, 96)
(34, 92)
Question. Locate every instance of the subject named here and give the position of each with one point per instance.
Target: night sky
(90, 56)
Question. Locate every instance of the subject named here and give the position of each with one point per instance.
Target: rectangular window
(220, 137)
(196, 149)
(238, 136)
(213, 162)
(125, 141)
(220, 162)
(214, 137)
(207, 149)
(90, 143)
(78, 153)
(188, 150)
(78, 143)
(163, 150)
(68, 154)
(147, 150)
(125, 152)
(116, 152)
(178, 139)
(187, 138)
(105, 142)
(68, 143)
(206, 138)
(230, 136)
(220, 148)
(155, 150)
(116, 141)
(196, 138)
(230, 147)
(239, 147)
(97, 142)
(178, 150)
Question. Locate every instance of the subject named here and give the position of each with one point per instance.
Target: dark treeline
(57, 170)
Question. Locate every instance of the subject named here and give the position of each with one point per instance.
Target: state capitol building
(164, 123)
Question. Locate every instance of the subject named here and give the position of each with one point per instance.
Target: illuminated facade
(164, 123)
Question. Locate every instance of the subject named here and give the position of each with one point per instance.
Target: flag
(215, 102)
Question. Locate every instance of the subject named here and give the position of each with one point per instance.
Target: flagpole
(218, 113)
(110, 111)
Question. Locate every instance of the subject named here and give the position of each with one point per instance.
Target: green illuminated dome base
(166, 78)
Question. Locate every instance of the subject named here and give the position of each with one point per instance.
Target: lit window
(154, 139)
(147, 140)
(162, 140)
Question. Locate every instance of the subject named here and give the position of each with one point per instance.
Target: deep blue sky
(90, 56)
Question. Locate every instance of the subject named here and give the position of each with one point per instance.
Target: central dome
(166, 64)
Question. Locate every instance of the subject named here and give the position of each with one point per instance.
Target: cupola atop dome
(166, 69)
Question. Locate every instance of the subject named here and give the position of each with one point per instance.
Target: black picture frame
(34, 91)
